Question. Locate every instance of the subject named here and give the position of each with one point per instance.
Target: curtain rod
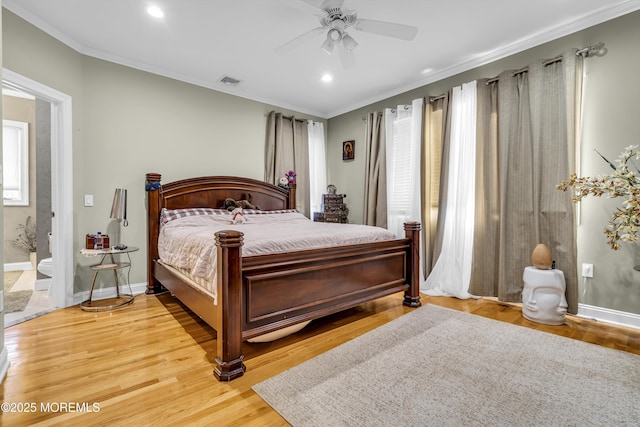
(526, 69)
(585, 52)
(393, 110)
(292, 117)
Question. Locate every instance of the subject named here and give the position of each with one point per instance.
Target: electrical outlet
(587, 271)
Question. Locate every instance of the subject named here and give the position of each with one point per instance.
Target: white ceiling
(201, 41)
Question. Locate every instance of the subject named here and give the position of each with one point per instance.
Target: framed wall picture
(348, 149)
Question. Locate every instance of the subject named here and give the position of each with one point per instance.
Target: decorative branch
(27, 237)
(624, 224)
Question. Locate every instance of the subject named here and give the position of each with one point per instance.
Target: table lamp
(119, 213)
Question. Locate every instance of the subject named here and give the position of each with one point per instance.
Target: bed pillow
(167, 215)
(259, 212)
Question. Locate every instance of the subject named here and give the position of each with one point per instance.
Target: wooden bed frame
(264, 293)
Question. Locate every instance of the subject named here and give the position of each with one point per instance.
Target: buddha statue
(543, 298)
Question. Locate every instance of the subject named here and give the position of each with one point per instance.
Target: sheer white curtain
(317, 165)
(403, 138)
(451, 273)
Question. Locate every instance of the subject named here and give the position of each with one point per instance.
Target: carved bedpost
(412, 295)
(152, 186)
(292, 195)
(229, 356)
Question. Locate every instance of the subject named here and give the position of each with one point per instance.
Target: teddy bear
(231, 204)
(238, 216)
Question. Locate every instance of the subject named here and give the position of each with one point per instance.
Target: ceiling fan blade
(389, 29)
(324, 4)
(347, 57)
(292, 44)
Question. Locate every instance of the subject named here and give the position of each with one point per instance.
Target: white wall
(611, 122)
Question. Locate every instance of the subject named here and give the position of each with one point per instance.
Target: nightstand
(111, 264)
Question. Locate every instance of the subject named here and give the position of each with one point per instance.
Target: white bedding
(188, 242)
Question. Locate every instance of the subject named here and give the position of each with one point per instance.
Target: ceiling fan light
(349, 43)
(328, 45)
(334, 36)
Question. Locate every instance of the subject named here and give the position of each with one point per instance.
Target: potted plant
(27, 239)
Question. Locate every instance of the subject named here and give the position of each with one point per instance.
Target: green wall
(611, 122)
(128, 122)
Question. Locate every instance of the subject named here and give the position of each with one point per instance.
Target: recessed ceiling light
(327, 78)
(155, 11)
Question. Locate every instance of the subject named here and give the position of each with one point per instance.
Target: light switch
(88, 199)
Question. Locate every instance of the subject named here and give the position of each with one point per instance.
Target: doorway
(61, 287)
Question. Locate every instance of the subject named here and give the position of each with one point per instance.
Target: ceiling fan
(336, 22)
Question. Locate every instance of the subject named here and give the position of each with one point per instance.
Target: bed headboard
(205, 191)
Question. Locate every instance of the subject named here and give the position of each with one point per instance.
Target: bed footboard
(265, 293)
(412, 295)
(229, 356)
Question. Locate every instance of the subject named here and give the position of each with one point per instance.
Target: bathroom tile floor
(38, 304)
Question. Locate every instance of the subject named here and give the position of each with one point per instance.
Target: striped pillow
(258, 212)
(167, 215)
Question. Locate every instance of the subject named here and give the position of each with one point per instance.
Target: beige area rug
(14, 300)
(440, 367)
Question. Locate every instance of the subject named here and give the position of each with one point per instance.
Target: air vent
(229, 81)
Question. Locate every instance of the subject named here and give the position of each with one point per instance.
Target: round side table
(111, 264)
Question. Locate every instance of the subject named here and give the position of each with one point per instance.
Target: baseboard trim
(136, 288)
(18, 266)
(42, 284)
(607, 315)
(4, 364)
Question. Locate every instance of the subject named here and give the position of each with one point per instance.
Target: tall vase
(33, 257)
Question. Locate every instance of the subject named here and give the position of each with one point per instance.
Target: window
(403, 139)
(401, 168)
(15, 160)
(317, 165)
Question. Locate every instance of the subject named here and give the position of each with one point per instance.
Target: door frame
(61, 288)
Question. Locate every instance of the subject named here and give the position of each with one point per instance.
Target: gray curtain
(529, 131)
(444, 106)
(288, 149)
(484, 270)
(435, 170)
(375, 184)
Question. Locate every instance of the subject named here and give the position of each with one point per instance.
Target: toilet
(45, 267)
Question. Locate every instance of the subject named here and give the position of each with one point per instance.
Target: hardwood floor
(151, 363)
